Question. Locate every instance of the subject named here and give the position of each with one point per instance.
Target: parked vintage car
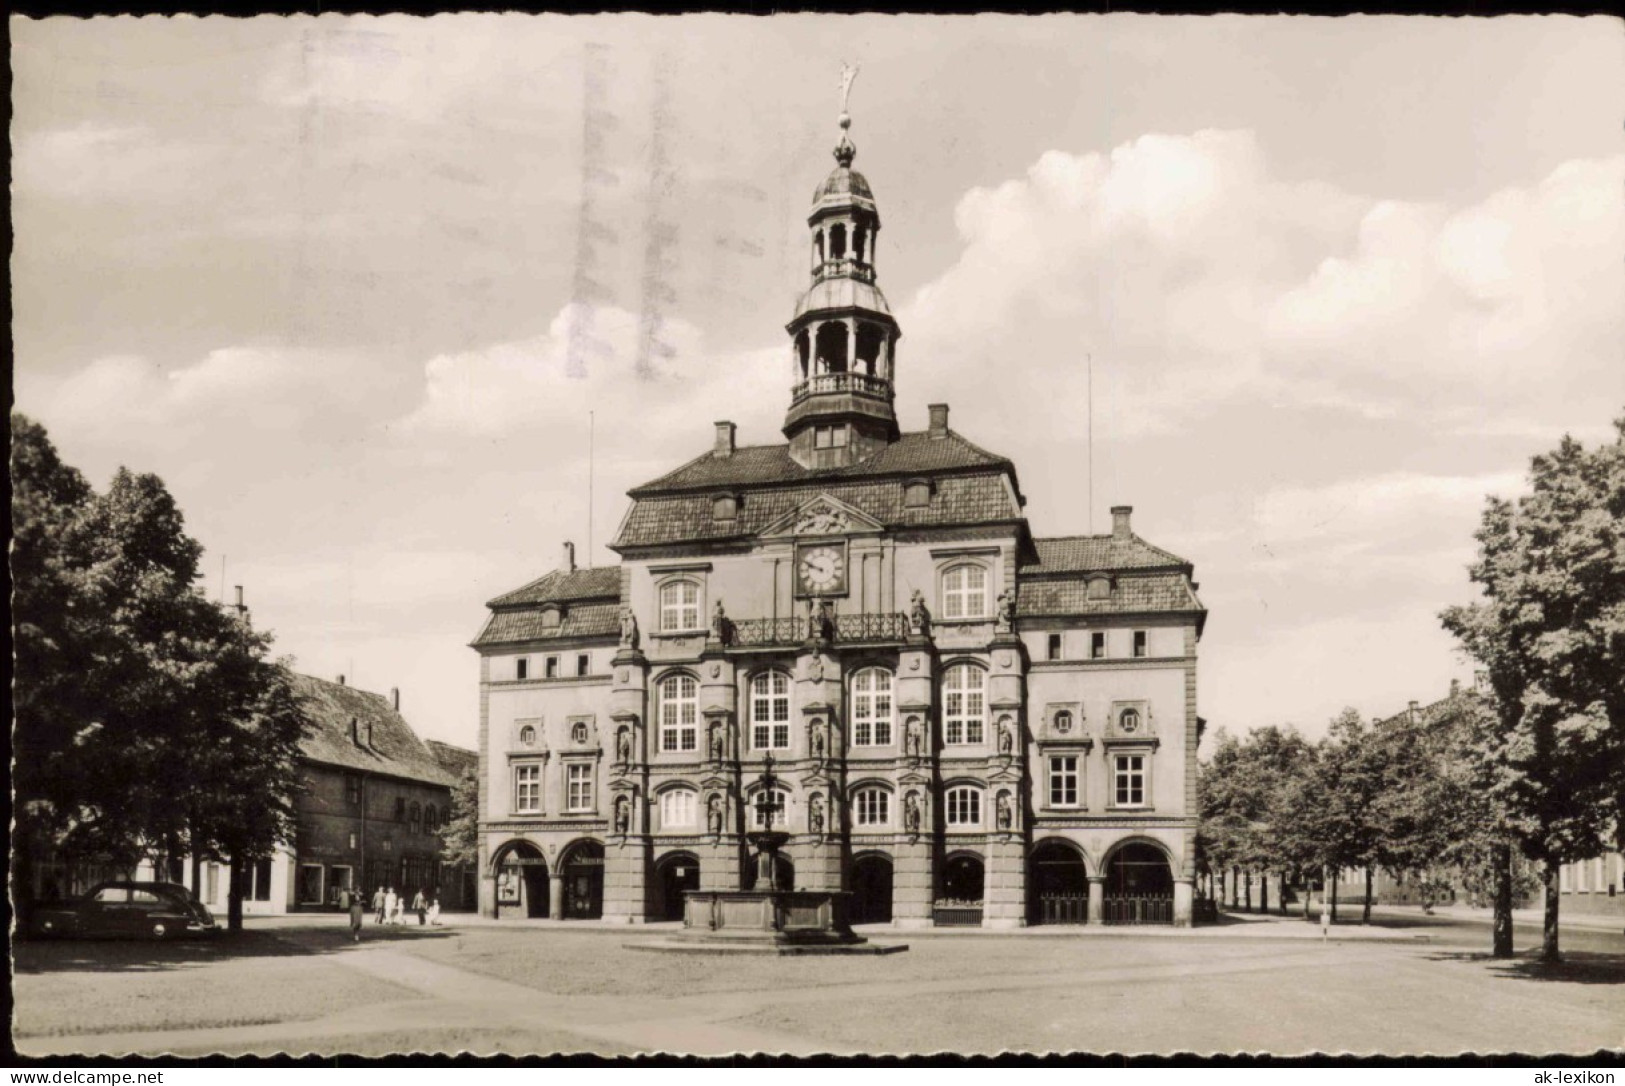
(159, 910)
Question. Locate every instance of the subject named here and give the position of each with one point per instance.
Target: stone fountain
(769, 918)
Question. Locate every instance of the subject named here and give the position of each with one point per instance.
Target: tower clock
(821, 569)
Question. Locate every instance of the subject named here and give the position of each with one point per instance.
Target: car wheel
(160, 930)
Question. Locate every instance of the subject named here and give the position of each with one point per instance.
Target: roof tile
(394, 749)
(525, 624)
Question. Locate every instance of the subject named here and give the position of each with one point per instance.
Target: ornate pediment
(823, 516)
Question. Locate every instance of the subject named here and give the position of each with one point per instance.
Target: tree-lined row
(149, 722)
(1533, 761)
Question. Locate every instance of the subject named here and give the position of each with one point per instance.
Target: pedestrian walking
(420, 906)
(392, 906)
(378, 903)
(434, 910)
(358, 914)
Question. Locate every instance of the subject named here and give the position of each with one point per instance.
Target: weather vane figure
(849, 72)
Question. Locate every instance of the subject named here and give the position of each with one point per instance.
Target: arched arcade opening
(582, 865)
(520, 871)
(1057, 884)
(1139, 885)
(676, 873)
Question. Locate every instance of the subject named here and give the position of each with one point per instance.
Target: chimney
(569, 558)
(369, 733)
(1455, 687)
(1416, 708)
(341, 680)
(1120, 515)
(725, 440)
(939, 420)
(355, 731)
(395, 698)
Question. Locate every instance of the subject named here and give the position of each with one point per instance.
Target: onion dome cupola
(843, 336)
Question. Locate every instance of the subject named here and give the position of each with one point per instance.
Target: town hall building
(960, 723)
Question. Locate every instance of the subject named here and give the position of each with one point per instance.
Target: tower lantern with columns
(843, 336)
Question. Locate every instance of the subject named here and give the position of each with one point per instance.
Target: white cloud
(1198, 280)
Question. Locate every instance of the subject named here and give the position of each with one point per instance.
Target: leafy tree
(1550, 630)
(460, 835)
(149, 719)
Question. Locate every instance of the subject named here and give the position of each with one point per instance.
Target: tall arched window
(963, 806)
(964, 592)
(677, 809)
(680, 606)
(871, 807)
(431, 819)
(964, 704)
(872, 708)
(415, 819)
(679, 713)
(770, 711)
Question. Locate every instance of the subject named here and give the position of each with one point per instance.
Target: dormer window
(1100, 588)
(725, 507)
(916, 494)
(550, 618)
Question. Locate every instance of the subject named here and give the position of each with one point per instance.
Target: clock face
(822, 569)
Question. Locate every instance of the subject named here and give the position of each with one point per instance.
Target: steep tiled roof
(1130, 595)
(1087, 553)
(563, 585)
(393, 748)
(596, 619)
(454, 760)
(766, 465)
(957, 499)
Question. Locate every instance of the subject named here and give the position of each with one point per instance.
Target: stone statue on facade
(623, 746)
(1006, 620)
(719, 624)
(713, 815)
(815, 815)
(1004, 815)
(918, 616)
(911, 813)
(623, 815)
(1007, 737)
(629, 629)
(716, 742)
(911, 737)
(818, 740)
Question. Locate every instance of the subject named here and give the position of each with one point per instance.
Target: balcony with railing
(859, 383)
(859, 629)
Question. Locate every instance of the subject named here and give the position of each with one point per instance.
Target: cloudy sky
(364, 291)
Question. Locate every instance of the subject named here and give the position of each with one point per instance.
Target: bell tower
(843, 337)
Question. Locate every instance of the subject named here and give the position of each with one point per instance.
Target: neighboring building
(372, 800)
(1596, 885)
(968, 725)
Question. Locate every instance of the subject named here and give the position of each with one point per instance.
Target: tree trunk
(1502, 859)
(1365, 916)
(1264, 891)
(1281, 896)
(1235, 886)
(1331, 880)
(1247, 891)
(1548, 945)
(234, 898)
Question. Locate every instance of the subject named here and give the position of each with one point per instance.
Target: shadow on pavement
(1577, 967)
(137, 956)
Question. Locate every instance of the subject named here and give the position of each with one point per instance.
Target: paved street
(299, 985)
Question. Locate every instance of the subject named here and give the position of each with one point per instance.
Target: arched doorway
(1057, 884)
(675, 874)
(871, 889)
(1139, 886)
(959, 905)
(521, 881)
(583, 867)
